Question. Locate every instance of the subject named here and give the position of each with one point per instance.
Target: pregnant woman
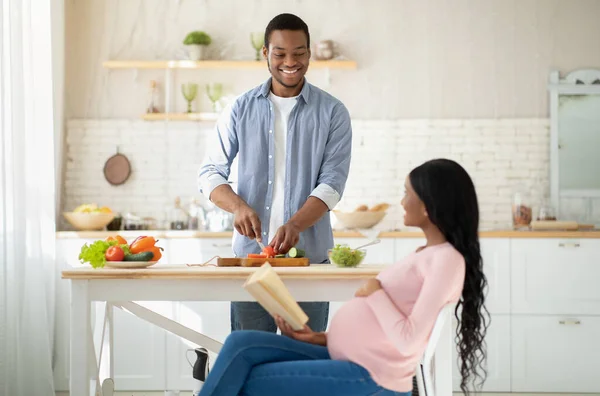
(375, 340)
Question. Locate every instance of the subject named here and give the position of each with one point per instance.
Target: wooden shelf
(217, 64)
(181, 116)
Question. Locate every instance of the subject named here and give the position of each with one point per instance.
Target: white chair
(424, 368)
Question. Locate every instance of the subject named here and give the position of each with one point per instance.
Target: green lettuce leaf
(94, 254)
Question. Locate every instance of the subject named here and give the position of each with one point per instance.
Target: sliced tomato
(254, 255)
(269, 251)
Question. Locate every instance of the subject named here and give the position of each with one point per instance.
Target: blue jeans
(258, 363)
(252, 316)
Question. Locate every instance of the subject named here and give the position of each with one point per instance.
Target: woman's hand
(304, 335)
(370, 287)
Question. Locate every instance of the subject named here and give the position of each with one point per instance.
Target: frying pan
(117, 169)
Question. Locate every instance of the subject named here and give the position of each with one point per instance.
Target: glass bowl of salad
(345, 257)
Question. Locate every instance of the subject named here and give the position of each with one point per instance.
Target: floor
(183, 393)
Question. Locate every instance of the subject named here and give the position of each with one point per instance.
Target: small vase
(196, 52)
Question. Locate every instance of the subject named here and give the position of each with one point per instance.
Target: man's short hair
(286, 22)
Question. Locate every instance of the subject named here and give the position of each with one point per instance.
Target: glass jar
(546, 212)
(177, 217)
(196, 220)
(132, 222)
(521, 211)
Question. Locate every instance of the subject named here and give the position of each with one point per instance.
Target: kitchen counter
(182, 271)
(338, 234)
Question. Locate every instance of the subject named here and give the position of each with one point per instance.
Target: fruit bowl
(359, 220)
(92, 221)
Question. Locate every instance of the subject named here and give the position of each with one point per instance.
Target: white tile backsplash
(500, 154)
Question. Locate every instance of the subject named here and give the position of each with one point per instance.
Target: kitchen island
(125, 288)
(542, 297)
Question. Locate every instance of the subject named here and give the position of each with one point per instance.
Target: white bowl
(359, 220)
(89, 221)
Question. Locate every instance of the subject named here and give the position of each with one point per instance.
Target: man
(293, 143)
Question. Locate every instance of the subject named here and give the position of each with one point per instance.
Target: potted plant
(196, 42)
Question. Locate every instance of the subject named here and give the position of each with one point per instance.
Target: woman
(375, 340)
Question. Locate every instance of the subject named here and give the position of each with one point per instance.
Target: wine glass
(189, 92)
(214, 92)
(257, 39)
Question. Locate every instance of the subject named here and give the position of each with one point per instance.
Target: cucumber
(280, 256)
(296, 253)
(143, 256)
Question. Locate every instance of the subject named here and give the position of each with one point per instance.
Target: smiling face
(415, 213)
(288, 58)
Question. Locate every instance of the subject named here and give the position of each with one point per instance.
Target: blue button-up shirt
(318, 151)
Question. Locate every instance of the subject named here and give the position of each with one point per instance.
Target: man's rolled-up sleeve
(336, 159)
(220, 153)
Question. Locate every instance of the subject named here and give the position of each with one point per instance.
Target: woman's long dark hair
(449, 196)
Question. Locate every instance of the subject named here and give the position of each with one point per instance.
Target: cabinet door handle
(574, 245)
(221, 245)
(569, 322)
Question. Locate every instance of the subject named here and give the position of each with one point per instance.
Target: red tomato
(269, 251)
(114, 253)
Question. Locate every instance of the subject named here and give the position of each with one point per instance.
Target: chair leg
(420, 379)
(415, 389)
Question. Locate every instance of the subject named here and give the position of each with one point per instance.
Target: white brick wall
(501, 155)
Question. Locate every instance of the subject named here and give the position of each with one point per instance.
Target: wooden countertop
(338, 234)
(319, 271)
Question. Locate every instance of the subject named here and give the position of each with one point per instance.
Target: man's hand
(246, 222)
(287, 237)
(370, 287)
(304, 335)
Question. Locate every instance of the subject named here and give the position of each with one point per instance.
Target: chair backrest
(423, 372)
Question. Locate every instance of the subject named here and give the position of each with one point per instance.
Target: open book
(270, 292)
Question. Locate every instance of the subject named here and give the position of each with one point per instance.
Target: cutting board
(560, 225)
(257, 262)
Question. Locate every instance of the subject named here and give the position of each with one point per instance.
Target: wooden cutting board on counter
(549, 225)
(257, 262)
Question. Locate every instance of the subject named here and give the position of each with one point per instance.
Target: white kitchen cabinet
(498, 356)
(495, 254)
(139, 350)
(216, 247)
(555, 353)
(197, 251)
(555, 276)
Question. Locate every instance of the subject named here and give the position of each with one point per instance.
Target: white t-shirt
(282, 107)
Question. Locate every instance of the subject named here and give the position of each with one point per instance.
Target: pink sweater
(387, 332)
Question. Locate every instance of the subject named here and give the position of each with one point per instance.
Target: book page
(269, 290)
